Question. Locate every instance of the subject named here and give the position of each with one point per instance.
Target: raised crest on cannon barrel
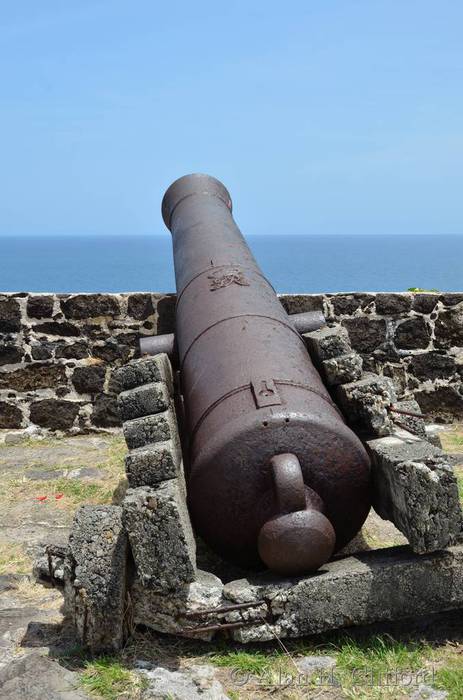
(274, 475)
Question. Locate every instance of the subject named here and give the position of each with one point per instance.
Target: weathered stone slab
(145, 371)
(365, 404)
(160, 534)
(370, 587)
(343, 369)
(95, 576)
(327, 343)
(151, 464)
(193, 683)
(416, 489)
(148, 429)
(166, 613)
(143, 400)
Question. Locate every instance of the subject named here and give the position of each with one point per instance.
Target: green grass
(379, 655)
(108, 678)
(257, 663)
(450, 679)
(420, 290)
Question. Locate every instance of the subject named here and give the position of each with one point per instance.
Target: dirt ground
(41, 484)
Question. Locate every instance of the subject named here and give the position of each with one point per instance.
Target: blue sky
(319, 116)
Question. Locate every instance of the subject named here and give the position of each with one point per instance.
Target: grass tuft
(108, 678)
(256, 662)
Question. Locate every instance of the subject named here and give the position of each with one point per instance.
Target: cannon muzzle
(274, 474)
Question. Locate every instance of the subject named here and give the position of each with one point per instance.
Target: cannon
(274, 475)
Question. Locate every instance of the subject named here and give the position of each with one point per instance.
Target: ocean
(292, 263)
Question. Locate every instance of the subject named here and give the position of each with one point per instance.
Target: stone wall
(58, 351)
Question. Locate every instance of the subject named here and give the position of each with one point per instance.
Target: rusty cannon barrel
(274, 473)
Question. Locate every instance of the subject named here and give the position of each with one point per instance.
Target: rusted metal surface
(254, 402)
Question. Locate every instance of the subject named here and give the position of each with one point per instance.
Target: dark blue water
(292, 263)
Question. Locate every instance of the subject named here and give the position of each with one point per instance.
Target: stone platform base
(137, 563)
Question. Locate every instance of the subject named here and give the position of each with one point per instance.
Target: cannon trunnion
(274, 474)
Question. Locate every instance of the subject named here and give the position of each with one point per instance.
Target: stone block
(414, 425)
(156, 428)
(166, 612)
(343, 369)
(443, 403)
(10, 354)
(89, 380)
(145, 371)
(160, 534)
(72, 351)
(366, 333)
(95, 576)
(35, 376)
(449, 327)
(415, 488)
(151, 464)
(299, 303)
(393, 304)
(10, 415)
(62, 328)
(327, 343)
(44, 351)
(10, 315)
(54, 414)
(365, 404)
(105, 413)
(40, 306)
(425, 303)
(344, 304)
(377, 586)
(412, 334)
(432, 365)
(140, 306)
(143, 400)
(83, 306)
(451, 298)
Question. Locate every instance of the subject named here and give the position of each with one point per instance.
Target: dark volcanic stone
(35, 376)
(444, 404)
(449, 327)
(451, 298)
(424, 303)
(54, 413)
(393, 304)
(112, 351)
(40, 307)
(432, 365)
(365, 333)
(41, 352)
(74, 351)
(89, 380)
(293, 304)
(56, 328)
(90, 306)
(10, 415)
(166, 314)
(10, 354)
(345, 304)
(105, 412)
(10, 316)
(94, 331)
(140, 306)
(412, 333)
